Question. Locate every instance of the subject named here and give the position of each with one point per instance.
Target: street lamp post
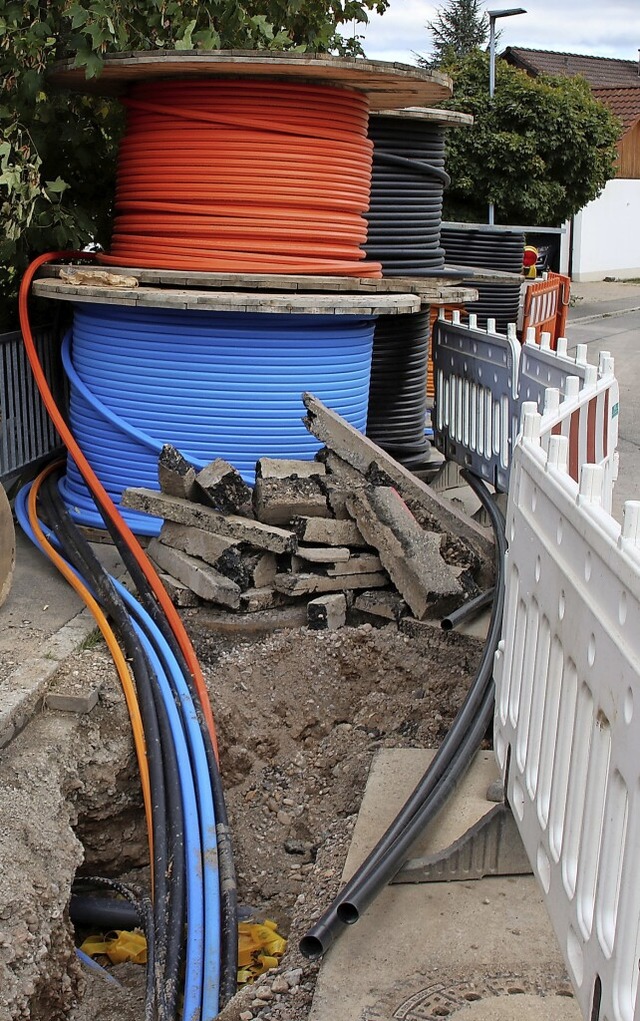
(493, 16)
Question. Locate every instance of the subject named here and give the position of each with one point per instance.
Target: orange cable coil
(244, 176)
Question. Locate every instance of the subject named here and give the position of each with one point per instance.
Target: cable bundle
(489, 248)
(397, 393)
(212, 384)
(243, 176)
(406, 195)
(192, 931)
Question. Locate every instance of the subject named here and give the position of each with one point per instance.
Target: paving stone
(176, 475)
(277, 500)
(222, 487)
(327, 613)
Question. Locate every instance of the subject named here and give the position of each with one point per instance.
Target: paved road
(620, 335)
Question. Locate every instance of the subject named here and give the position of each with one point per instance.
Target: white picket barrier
(567, 677)
(483, 380)
(476, 412)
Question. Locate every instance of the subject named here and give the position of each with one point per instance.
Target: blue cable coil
(212, 384)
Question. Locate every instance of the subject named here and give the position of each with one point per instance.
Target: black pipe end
(311, 947)
(348, 913)
(446, 624)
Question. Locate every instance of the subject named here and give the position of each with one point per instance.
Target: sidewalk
(603, 298)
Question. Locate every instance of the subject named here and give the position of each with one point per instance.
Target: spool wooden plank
(227, 301)
(7, 546)
(388, 85)
(429, 291)
(447, 118)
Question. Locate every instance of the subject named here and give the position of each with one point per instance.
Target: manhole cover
(487, 999)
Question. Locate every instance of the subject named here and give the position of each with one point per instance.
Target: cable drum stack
(236, 280)
(404, 217)
(491, 248)
(226, 182)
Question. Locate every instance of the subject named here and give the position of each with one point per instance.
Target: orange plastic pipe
(244, 176)
(100, 493)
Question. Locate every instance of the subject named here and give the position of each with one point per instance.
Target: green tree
(458, 28)
(540, 150)
(57, 150)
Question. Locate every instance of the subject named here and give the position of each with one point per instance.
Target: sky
(601, 28)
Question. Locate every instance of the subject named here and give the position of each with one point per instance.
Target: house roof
(624, 103)
(600, 72)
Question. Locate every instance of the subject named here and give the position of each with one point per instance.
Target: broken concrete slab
(222, 487)
(180, 594)
(176, 475)
(429, 508)
(257, 534)
(202, 579)
(387, 604)
(305, 584)
(358, 563)
(277, 500)
(324, 555)
(253, 600)
(219, 551)
(287, 468)
(327, 531)
(409, 554)
(257, 570)
(327, 613)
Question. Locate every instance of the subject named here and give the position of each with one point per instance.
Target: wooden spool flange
(7, 546)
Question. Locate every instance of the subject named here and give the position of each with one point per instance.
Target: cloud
(572, 26)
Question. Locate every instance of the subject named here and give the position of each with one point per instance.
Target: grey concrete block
(386, 604)
(327, 613)
(73, 702)
(287, 468)
(221, 486)
(327, 531)
(276, 501)
(176, 475)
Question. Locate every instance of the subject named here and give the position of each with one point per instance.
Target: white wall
(606, 234)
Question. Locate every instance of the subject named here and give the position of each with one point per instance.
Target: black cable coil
(493, 249)
(398, 388)
(407, 183)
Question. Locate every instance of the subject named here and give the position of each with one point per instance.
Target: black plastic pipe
(447, 766)
(468, 610)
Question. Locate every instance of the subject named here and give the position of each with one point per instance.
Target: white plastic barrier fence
(567, 677)
(483, 380)
(476, 411)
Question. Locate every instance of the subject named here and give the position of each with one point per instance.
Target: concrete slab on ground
(481, 949)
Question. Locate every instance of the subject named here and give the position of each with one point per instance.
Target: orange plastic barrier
(434, 312)
(545, 307)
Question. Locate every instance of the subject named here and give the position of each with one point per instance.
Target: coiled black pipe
(398, 387)
(407, 183)
(169, 865)
(489, 248)
(448, 765)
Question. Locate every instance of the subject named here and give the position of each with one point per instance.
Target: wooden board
(448, 118)
(433, 290)
(7, 546)
(388, 85)
(231, 301)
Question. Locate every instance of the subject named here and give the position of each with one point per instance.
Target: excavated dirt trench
(299, 713)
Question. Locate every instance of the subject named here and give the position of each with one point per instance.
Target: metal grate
(26, 433)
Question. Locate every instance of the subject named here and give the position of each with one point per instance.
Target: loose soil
(299, 714)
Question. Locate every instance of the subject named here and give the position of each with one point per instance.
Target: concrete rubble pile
(352, 533)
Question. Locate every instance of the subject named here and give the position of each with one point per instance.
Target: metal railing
(26, 433)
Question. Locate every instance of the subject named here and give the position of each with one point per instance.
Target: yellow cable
(115, 650)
